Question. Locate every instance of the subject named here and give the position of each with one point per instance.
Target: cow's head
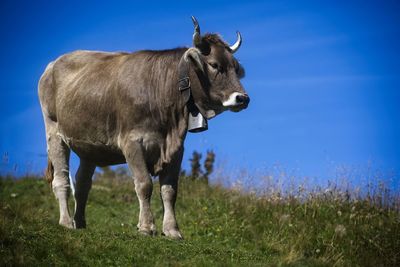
(218, 73)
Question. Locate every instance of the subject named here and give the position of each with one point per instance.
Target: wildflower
(13, 195)
(339, 213)
(340, 230)
(327, 191)
(284, 218)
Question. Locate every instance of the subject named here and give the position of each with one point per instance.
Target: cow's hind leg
(83, 184)
(169, 190)
(58, 153)
(133, 152)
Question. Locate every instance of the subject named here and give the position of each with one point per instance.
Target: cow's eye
(214, 65)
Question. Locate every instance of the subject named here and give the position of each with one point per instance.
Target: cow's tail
(49, 173)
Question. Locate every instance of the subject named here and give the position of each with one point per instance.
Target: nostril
(240, 99)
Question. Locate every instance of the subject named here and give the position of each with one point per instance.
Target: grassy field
(221, 228)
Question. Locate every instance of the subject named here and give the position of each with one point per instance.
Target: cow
(135, 108)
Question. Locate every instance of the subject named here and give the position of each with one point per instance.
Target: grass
(221, 228)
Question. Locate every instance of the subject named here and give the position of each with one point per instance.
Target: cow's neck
(197, 121)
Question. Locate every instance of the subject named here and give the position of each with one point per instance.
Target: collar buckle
(184, 84)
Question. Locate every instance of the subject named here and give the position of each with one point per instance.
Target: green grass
(221, 228)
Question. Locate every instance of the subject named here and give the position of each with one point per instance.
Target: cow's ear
(194, 55)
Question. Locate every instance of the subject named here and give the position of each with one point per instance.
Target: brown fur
(213, 38)
(100, 100)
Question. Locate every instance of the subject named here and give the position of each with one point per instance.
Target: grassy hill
(221, 228)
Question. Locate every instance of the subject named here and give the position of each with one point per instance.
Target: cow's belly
(107, 154)
(99, 154)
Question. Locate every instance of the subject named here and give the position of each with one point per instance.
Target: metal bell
(197, 123)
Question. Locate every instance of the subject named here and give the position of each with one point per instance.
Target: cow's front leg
(143, 186)
(169, 191)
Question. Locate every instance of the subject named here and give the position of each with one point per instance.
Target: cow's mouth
(238, 108)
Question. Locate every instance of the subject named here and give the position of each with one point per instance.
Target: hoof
(67, 224)
(80, 224)
(173, 234)
(148, 231)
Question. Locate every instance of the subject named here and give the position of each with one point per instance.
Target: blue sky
(323, 77)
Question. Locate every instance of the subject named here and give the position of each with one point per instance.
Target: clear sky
(323, 77)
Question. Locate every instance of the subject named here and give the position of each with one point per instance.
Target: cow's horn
(236, 45)
(196, 34)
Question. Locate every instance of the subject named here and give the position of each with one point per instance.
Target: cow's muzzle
(237, 101)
